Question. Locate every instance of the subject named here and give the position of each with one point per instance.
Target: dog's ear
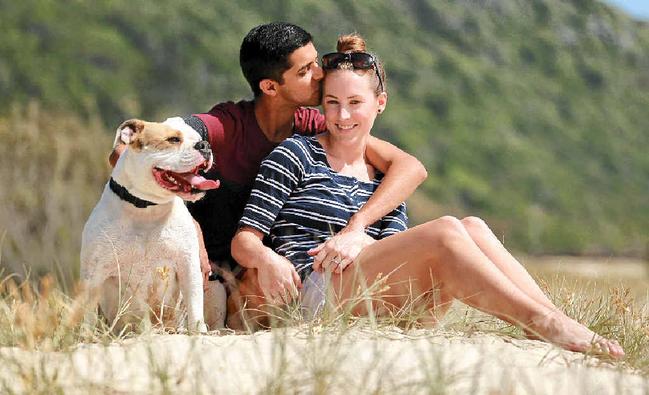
(127, 131)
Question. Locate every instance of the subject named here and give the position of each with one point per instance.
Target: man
(280, 63)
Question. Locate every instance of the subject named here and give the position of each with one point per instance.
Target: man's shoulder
(227, 118)
(229, 108)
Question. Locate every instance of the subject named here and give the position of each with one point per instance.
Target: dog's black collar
(125, 195)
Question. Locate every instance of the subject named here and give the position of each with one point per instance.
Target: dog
(140, 247)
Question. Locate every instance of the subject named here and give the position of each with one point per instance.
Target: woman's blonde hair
(354, 42)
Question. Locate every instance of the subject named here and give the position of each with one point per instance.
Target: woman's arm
(279, 174)
(277, 277)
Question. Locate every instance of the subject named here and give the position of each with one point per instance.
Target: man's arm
(403, 174)
(206, 268)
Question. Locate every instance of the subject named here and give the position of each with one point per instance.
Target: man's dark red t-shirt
(239, 146)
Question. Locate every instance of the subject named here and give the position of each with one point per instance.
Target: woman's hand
(340, 250)
(278, 279)
(276, 275)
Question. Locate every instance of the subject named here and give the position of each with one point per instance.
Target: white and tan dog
(140, 246)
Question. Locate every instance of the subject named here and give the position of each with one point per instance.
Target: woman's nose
(344, 114)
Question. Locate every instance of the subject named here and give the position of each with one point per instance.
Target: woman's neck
(347, 157)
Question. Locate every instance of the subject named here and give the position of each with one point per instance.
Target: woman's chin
(348, 133)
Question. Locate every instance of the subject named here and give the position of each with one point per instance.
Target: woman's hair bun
(351, 43)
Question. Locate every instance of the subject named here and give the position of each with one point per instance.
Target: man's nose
(204, 148)
(318, 72)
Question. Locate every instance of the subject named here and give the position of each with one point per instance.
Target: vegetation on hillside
(53, 169)
(533, 115)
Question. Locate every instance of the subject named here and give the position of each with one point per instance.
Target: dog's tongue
(200, 182)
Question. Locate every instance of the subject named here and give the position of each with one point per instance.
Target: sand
(305, 360)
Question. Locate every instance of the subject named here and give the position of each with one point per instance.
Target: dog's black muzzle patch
(204, 148)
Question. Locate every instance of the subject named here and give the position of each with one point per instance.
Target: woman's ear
(382, 100)
(268, 87)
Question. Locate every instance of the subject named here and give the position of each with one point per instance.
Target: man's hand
(278, 279)
(206, 268)
(340, 251)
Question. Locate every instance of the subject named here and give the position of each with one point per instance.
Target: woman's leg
(442, 254)
(498, 254)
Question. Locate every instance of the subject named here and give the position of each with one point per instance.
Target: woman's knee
(448, 222)
(474, 224)
(445, 232)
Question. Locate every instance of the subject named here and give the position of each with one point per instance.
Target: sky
(636, 8)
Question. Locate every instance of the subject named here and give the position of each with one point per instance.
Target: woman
(310, 186)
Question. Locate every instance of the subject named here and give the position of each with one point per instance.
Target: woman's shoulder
(294, 151)
(300, 139)
(302, 145)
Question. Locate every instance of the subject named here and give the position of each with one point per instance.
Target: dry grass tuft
(611, 311)
(40, 316)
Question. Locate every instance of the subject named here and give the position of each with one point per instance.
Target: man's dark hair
(265, 50)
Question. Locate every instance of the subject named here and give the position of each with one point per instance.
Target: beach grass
(38, 317)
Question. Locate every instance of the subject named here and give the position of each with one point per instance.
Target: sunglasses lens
(332, 60)
(362, 60)
(359, 60)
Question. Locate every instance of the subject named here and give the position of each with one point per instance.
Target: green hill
(531, 114)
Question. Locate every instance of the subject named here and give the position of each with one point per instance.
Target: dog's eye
(174, 140)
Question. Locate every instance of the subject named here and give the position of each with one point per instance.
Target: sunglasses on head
(358, 60)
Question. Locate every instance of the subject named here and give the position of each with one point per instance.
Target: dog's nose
(204, 148)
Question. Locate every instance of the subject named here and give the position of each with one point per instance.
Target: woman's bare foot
(567, 333)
